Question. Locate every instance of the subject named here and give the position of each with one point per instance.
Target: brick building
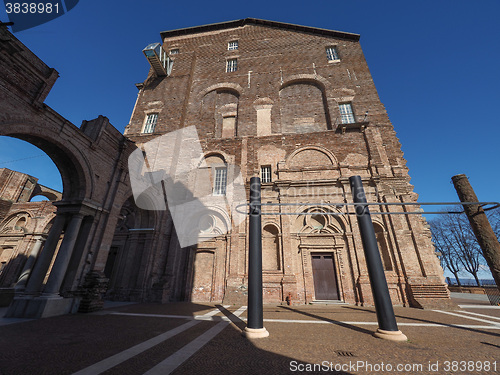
(297, 106)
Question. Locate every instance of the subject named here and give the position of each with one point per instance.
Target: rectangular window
(346, 114)
(231, 65)
(150, 125)
(232, 45)
(220, 181)
(331, 54)
(265, 173)
(174, 51)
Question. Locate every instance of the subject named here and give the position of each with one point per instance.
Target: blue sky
(434, 63)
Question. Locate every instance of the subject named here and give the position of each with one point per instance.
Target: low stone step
(328, 302)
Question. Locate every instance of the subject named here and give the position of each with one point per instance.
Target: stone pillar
(229, 113)
(23, 279)
(63, 256)
(263, 107)
(34, 285)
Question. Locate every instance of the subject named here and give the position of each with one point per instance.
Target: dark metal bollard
(388, 328)
(255, 320)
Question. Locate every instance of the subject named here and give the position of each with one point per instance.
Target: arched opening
(382, 246)
(49, 163)
(42, 264)
(22, 156)
(219, 112)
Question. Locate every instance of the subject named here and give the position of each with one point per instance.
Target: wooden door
(325, 280)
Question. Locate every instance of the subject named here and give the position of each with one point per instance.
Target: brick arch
(75, 169)
(44, 191)
(327, 157)
(224, 86)
(218, 111)
(313, 114)
(314, 79)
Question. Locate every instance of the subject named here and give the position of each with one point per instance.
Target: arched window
(219, 113)
(382, 246)
(271, 260)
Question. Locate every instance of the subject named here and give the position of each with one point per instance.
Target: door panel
(325, 280)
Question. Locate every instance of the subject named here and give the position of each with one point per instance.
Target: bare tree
(494, 219)
(446, 252)
(455, 239)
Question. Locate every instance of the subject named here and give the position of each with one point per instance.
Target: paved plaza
(190, 338)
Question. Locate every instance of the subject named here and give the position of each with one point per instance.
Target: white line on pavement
(442, 325)
(175, 360)
(483, 315)
(224, 318)
(479, 307)
(121, 357)
(469, 317)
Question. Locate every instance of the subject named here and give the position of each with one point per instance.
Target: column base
(42, 307)
(390, 335)
(255, 333)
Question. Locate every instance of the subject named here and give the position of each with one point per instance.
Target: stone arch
(50, 194)
(70, 161)
(310, 156)
(271, 248)
(381, 235)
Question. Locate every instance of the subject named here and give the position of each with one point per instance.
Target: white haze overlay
(170, 172)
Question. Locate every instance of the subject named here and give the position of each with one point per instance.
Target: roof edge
(256, 21)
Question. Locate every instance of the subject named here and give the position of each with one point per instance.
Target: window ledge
(342, 128)
(333, 61)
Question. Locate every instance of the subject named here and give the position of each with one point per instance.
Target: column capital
(75, 208)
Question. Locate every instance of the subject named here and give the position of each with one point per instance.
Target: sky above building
(434, 63)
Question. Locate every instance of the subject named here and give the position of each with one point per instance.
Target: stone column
(23, 279)
(63, 256)
(34, 285)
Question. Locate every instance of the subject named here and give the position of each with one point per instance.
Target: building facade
(24, 226)
(296, 106)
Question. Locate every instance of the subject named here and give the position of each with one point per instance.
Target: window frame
(148, 128)
(220, 181)
(345, 117)
(233, 45)
(332, 54)
(231, 65)
(266, 174)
